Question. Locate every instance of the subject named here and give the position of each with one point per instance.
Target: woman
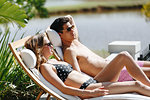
(72, 82)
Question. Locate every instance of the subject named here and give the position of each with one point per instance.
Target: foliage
(14, 81)
(16, 94)
(146, 9)
(11, 13)
(33, 7)
(5, 58)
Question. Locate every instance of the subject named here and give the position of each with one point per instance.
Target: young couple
(67, 76)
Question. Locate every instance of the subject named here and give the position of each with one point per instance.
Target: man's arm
(71, 58)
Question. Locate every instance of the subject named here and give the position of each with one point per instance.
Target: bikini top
(63, 71)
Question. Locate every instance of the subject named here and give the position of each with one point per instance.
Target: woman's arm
(52, 77)
(86, 93)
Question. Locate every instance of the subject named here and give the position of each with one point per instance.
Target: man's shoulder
(69, 49)
(70, 52)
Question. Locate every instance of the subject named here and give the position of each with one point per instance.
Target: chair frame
(44, 89)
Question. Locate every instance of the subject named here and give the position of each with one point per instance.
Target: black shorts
(87, 83)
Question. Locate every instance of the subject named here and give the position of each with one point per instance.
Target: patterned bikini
(64, 70)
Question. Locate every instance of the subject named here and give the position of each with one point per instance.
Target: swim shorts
(124, 75)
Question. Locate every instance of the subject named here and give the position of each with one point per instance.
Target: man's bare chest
(83, 52)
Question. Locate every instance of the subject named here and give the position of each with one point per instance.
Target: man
(78, 55)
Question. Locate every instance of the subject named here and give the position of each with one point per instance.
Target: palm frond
(12, 13)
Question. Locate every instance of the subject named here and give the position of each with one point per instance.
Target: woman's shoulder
(54, 61)
(45, 64)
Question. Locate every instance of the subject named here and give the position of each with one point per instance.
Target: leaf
(2, 2)
(146, 9)
(12, 13)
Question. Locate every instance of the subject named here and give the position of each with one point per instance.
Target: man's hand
(71, 19)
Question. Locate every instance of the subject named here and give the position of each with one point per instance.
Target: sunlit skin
(75, 79)
(82, 58)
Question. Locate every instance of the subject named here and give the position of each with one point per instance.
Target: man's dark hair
(57, 25)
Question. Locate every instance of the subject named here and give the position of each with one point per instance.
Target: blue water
(96, 30)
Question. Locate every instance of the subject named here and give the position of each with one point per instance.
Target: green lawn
(114, 4)
(103, 53)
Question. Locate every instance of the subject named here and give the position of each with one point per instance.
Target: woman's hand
(100, 91)
(95, 93)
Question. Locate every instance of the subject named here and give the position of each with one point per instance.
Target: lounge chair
(56, 41)
(27, 59)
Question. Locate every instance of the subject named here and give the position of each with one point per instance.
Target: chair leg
(48, 97)
(38, 97)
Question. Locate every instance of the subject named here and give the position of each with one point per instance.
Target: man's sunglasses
(69, 28)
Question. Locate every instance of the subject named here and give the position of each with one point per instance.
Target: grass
(111, 4)
(103, 53)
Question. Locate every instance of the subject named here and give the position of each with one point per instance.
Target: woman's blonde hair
(35, 43)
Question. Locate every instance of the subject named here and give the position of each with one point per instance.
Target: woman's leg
(112, 70)
(123, 87)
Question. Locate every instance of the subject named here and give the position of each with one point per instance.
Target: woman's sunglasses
(69, 28)
(49, 44)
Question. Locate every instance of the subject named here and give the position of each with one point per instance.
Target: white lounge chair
(27, 59)
(56, 41)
